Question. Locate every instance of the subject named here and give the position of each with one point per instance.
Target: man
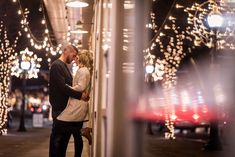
(59, 94)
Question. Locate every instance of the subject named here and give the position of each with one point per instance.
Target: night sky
(8, 14)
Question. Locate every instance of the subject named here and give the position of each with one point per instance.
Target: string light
(170, 134)
(200, 30)
(171, 49)
(7, 50)
(46, 43)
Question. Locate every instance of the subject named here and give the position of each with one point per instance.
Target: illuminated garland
(46, 43)
(170, 134)
(169, 113)
(167, 45)
(172, 52)
(201, 32)
(6, 58)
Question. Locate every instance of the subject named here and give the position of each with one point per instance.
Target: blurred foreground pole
(116, 111)
(136, 81)
(124, 134)
(215, 22)
(214, 142)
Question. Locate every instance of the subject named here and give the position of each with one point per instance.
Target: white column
(125, 135)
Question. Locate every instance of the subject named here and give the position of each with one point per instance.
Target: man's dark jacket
(59, 92)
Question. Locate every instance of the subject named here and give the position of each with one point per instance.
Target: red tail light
(39, 110)
(31, 109)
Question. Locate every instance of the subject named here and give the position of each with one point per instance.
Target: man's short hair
(71, 47)
(75, 48)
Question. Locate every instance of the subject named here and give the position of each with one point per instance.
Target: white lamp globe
(149, 68)
(215, 18)
(25, 65)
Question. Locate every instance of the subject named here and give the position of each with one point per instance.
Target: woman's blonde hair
(86, 59)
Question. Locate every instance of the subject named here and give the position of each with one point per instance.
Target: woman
(77, 110)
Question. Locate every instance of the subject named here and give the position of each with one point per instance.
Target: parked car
(43, 109)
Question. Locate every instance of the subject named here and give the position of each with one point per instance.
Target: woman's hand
(85, 96)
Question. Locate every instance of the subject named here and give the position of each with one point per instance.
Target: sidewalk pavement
(182, 147)
(32, 143)
(35, 143)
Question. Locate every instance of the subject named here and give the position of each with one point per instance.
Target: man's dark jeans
(60, 135)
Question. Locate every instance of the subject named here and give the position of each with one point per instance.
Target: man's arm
(85, 95)
(59, 78)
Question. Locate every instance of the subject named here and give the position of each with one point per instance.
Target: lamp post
(149, 69)
(215, 21)
(25, 65)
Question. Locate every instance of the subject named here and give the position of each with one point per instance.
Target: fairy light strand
(46, 43)
(200, 31)
(7, 50)
(172, 51)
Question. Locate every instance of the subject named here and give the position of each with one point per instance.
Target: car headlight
(44, 107)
